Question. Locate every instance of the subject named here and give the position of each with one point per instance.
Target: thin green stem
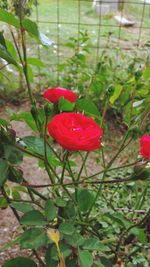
(46, 162)
(96, 197)
(122, 146)
(112, 169)
(103, 157)
(38, 194)
(65, 160)
(82, 166)
(23, 42)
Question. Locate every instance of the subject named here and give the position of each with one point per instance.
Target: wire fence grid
(63, 19)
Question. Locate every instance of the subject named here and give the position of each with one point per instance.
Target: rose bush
(54, 94)
(145, 146)
(75, 131)
(92, 211)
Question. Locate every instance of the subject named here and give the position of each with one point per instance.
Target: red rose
(74, 131)
(54, 94)
(145, 146)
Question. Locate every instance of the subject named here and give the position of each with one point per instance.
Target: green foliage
(86, 258)
(33, 218)
(85, 199)
(20, 262)
(50, 210)
(33, 239)
(9, 18)
(88, 107)
(4, 171)
(67, 228)
(21, 206)
(65, 105)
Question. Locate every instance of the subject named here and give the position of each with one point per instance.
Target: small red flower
(54, 94)
(145, 146)
(119, 262)
(74, 131)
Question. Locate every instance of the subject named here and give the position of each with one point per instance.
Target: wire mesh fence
(110, 25)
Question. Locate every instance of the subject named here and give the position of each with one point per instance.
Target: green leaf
(2, 40)
(67, 228)
(140, 234)
(86, 258)
(21, 206)
(75, 240)
(3, 122)
(106, 262)
(7, 56)
(65, 105)
(9, 18)
(12, 154)
(116, 94)
(97, 88)
(69, 210)
(60, 202)
(15, 175)
(30, 74)
(35, 62)
(141, 174)
(3, 203)
(31, 27)
(20, 262)
(127, 113)
(33, 218)
(48, 258)
(85, 199)
(50, 210)
(94, 244)
(3, 171)
(146, 73)
(36, 144)
(87, 106)
(119, 218)
(33, 239)
(11, 49)
(23, 116)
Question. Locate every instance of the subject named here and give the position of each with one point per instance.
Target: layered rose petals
(74, 131)
(145, 146)
(54, 94)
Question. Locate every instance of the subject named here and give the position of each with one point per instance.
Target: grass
(69, 12)
(69, 17)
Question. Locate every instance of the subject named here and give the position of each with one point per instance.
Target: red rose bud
(74, 131)
(145, 146)
(119, 262)
(54, 94)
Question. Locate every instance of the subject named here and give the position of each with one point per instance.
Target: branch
(119, 180)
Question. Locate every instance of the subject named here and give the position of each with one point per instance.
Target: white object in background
(123, 21)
